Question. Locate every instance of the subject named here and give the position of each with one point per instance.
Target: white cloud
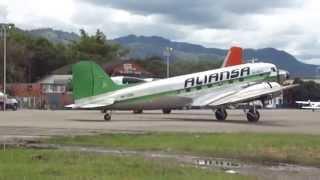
(3, 13)
(312, 61)
(40, 13)
(282, 25)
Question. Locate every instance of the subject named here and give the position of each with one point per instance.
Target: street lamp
(167, 53)
(4, 28)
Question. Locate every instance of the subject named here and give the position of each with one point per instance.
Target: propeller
(282, 76)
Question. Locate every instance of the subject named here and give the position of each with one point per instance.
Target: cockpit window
(273, 69)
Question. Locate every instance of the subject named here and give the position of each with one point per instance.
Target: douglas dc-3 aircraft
(310, 105)
(217, 89)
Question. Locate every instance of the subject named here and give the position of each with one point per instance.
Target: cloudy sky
(291, 25)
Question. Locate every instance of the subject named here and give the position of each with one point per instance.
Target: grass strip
(27, 164)
(258, 147)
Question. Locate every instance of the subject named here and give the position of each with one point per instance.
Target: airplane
(311, 105)
(216, 89)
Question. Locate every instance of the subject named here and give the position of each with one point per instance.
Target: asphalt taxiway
(46, 123)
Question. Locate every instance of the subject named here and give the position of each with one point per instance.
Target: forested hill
(142, 46)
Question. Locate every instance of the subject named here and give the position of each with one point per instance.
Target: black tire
(225, 112)
(107, 117)
(166, 111)
(221, 114)
(14, 107)
(253, 116)
(138, 111)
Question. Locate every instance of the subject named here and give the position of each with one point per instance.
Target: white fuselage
(187, 90)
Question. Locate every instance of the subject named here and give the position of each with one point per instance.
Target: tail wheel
(138, 111)
(107, 117)
(166, 111)
(221, 114)
(253, 115)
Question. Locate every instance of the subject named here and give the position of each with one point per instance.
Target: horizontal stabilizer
(89, 106)
(70, 106)
(84, 105)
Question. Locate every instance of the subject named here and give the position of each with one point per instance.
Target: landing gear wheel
(107, 117)
(138, 111)
(15, 107)
(221, 114)
(253, 115)
(166, 111)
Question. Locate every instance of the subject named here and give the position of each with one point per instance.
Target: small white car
(11, 103)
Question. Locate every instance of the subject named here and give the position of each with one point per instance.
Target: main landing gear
(221, 114)
(253, 114)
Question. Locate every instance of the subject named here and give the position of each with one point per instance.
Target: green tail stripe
(89, 79)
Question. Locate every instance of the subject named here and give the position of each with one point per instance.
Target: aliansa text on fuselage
(217, 77)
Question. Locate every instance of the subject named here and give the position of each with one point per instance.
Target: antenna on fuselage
(254, 60)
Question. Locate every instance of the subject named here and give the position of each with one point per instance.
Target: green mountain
(142, 46)
(148, 46)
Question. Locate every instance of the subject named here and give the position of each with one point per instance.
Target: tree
(95, 47)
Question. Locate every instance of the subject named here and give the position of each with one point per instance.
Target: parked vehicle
(11, 103)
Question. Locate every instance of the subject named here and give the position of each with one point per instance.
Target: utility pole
(4, 67)
(167, 54)
(4, 35)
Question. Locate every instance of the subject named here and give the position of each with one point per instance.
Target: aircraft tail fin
(234, 57)
(89, 79)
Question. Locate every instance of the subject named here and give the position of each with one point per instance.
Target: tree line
(32, 58)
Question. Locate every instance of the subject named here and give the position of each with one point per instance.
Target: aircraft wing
(251, 93)
(310, 107)
(303, 102)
